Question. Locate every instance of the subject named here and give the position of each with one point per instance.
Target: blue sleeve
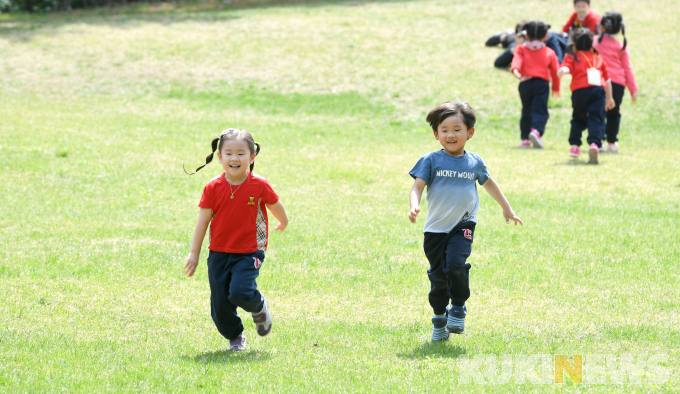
(482, 173)
(422, 169)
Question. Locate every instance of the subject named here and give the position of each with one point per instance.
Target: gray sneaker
(237, 344)
(455, 320)
(263, 320)
(439, 332)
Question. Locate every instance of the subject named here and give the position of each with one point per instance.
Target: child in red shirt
(617, 59)
(582, 16)
(533, 64)
(591, 93)
(235, 205)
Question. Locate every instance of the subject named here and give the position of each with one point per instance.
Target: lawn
(100, 109)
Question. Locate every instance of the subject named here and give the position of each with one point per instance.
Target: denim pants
(232, 284)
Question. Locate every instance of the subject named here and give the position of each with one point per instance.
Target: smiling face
(452, 134)
(236, 158)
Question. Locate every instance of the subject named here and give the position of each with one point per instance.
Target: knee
(459, 269)
(241, 296)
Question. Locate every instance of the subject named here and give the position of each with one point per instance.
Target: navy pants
(614, 114)
(449, 272)
(588, 113)
(534, 94)
(232, 284)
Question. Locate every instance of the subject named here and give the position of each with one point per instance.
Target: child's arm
(279, 213)
(492, 188)
(204, 217)
(414, 199)
(609, 97)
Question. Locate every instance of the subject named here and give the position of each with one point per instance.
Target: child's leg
(539, 105)
(525, 95)
(596, 117)
(243, 287)
(614, 114)
(458, 249)
(223, 312)
(435, 246)
(579, 105)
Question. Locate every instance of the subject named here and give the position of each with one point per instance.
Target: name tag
(594, 77)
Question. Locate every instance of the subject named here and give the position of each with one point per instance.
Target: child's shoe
(525, 144)
(574, 151)
(593, 153)
(439, 332)
(613, 147)
(237, 344)
(263, 320)
(455, 320)
(535, 138)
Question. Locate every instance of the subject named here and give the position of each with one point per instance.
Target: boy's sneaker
(535, 138)
(525, 144)
(455, 320)
(574, 151)
(439, 332)
(237, 344)
(263, 320)
(593, 153)
(613, 147)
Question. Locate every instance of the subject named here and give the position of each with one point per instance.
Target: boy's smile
(452, 134)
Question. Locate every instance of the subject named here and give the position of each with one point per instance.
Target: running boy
(450, 175)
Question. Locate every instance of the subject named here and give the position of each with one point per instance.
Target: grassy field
(100, 109)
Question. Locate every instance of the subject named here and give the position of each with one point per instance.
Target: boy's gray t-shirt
(451, 189)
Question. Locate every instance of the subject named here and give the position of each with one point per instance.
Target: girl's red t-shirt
(238, 225)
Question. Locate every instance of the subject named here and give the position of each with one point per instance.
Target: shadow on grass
(434, 350)
(229, 356)
(22, 27)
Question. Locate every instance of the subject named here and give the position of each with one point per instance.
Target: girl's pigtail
(257, 150)
(623, 32)
(208, 158)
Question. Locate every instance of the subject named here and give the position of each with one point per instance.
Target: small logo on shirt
(257, 263)
(467, 233)
(251, 200)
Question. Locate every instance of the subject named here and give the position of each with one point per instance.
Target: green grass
(99, 110)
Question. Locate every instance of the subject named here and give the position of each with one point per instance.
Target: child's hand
(413, 214)
(511, 215)
(281, 226)
(556, 95)
(610, 104)
(633, 97)
(190, 266)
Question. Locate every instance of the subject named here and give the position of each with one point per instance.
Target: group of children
(600, 71)
(234, 204)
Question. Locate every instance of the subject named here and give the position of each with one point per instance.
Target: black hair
(582, 1)
(581, 40)
(612, 22)
(451, 108)
(230, 134)
(535, 30)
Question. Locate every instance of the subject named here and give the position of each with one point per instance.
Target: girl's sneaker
(439, 332)
(263, 320)
(237, 344)
(525, 144)
(535, 138)
(593, 153)
(574, 151)
(613, 147)
(455, 320)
